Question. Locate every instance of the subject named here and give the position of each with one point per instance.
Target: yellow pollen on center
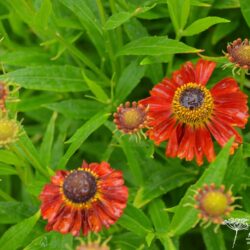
(131, 118)
(243, 53)
(8, 131)
(192, 104)
(215, 203)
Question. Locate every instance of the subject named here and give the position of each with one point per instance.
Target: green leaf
(153, 46)
(82, 134)
(26, 57)
(96, 89)
(13, 212)
(76, 109)
(42, 16)
(158, 216)
(179, 12)
(226, 4)
(162, 182)
(235, 170)
(174, 14)
(9, 158)
(155, 59)
(186, 216)
(167, 242)
(50, 78)
(184, 13)
(51, 241)
(129, 79)
(46, 146)
(89, 21)
(14, 237)
(240, 214)
(135, 221)
(203, 24)
(222, 30)
(245, 10)
(7, 169)
(25, 147)
(213, 240)
(246, 150)
(117, 19)
(131, 155)
(32, 102)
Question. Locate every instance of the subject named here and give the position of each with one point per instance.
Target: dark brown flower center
(79, 186)
(192, 98)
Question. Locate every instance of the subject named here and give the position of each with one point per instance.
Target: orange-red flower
(84, 199)
(186, 114)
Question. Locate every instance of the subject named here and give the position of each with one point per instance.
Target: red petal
(85, 226)
(101, 169)
(225, 86)
(49, 190)
(59, 177)
(223, 132)
(206, 143)
(198, 147)
(106, 220)
(65, 220)
(76, 227)
(119, 194)
(186, 147)
(162, 132)
(49, 210)
(113, 209)
(94, 221)
(173, 143)
(203, 71)
(185, 75)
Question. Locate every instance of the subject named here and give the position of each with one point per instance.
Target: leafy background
(75, 61)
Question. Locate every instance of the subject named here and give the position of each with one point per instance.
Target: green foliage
(68, 65)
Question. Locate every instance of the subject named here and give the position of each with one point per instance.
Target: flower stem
(242, 78)
(109, 45)
(170, 63)
(235, 237)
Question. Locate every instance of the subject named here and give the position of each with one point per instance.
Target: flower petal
(203, 71)
(185, 75)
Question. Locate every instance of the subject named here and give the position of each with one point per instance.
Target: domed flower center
(132, 117)
(192, 98)
(192, 104)
(79, 186)
(243, 54)
(215, 203)
(239, 53)
(8, 131)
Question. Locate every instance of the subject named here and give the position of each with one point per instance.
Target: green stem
(107, 36)
(118, 32)
(6, 196)
(242, 78)
(170, 63)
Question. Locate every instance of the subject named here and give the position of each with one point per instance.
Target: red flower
(185, 113)
(84, 199)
